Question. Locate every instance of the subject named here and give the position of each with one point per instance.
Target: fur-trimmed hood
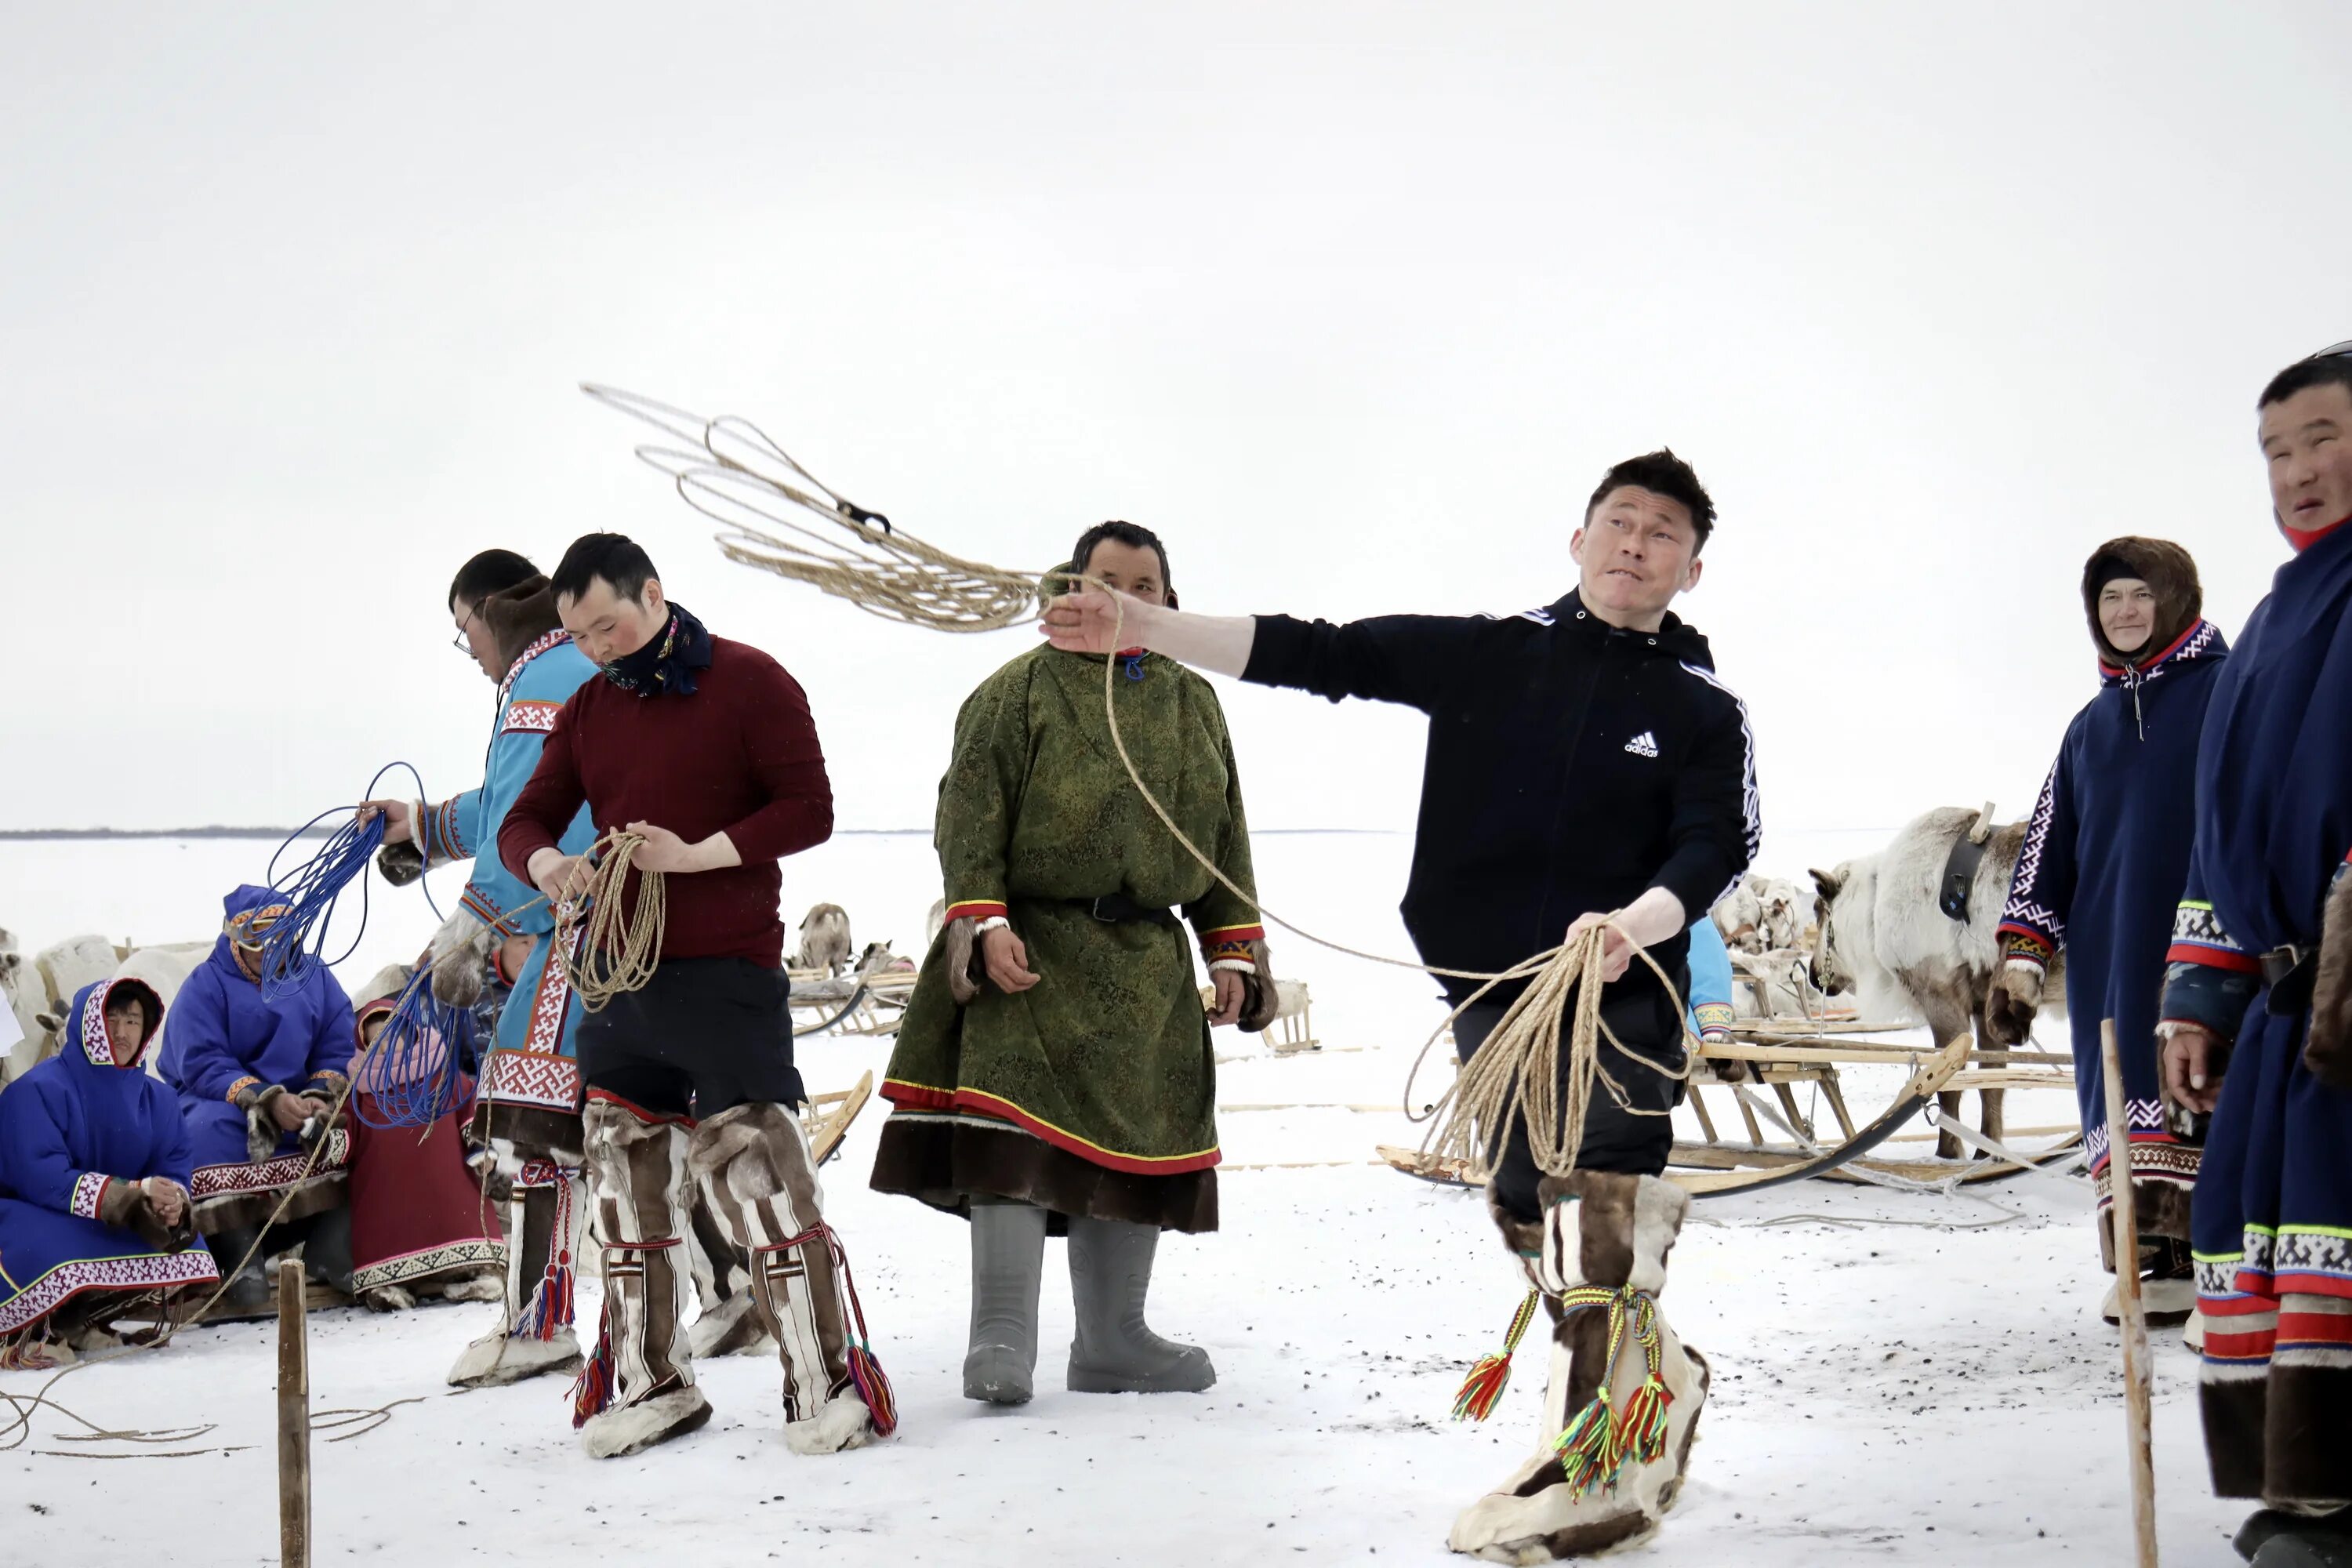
(2170, 573)
(518, 616)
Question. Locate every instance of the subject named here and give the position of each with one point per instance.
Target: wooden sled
(1778, 1056)
(827, 1117)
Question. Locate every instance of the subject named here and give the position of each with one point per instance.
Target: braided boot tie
(1600, 1439)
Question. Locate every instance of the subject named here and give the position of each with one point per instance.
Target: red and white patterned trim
(96, 1043)
(539, 1078)
(152, 1271)
(239, 1087)
(551, 1004)
(977, 908)
(89, 1194)
(530, 718)
(546, 640)
(285, 1170)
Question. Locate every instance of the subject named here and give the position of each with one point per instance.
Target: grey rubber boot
(1114, 1353)
(1008, 1258)
(2305, 1549)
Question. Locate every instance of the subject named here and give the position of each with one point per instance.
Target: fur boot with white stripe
(1623, 1393)
(753, 1162)
(638, 1389)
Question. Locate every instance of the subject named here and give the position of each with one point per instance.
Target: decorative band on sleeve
(237, 1091)
(1218, 936)
(977, 909)
(2198, 938)
(89, 1192)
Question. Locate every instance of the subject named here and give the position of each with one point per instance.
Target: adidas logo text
(1644, 745)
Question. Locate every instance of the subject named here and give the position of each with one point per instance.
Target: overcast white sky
(1352, 303)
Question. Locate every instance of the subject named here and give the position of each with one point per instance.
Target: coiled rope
(733, 473)
(606, 943)
(294, 946)
(412, 1069)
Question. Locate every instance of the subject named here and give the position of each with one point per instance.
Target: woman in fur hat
(2106, 855)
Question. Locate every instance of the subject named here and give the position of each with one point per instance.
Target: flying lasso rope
(412, 1069)
(730, 471)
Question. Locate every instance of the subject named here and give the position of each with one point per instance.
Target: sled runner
(827, 1118)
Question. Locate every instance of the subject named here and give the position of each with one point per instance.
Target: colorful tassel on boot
(1483, 1389)
(873, 1384)
(1598, 1440)
(592, 1391)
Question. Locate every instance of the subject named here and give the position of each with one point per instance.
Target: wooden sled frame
(1777, 1055)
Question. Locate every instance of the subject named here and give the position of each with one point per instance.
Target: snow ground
(1939, 1390)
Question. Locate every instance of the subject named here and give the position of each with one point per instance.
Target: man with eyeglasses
(1585, 766)
(2257, 1014)
(507, 624)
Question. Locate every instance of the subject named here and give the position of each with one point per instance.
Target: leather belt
(1114, 908)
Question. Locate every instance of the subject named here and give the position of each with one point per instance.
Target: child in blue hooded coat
(259, 1079)
(95, 1214)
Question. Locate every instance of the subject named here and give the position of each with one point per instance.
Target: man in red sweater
(706, 748)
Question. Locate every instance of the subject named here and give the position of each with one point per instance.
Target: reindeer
(1883, 935)
(825, 939)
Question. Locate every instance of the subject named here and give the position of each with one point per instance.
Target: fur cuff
(1261, 1004)
(261, 1130)
(2327, 1048)
(965, 975)
(400, 864)
(126, 1206)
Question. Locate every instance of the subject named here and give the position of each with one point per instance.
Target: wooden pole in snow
(2126, 1222)
(293, 1418)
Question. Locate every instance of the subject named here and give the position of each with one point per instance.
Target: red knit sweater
(739, 755)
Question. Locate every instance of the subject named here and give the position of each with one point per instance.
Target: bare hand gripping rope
(732, 472)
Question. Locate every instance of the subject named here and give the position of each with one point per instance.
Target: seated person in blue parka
(94, 1176)
(261, 1080)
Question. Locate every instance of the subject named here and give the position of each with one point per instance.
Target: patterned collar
(2193, 644)
(546, 640)
(96, 1044)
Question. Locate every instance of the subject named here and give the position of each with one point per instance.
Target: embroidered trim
(485, 908)
(919, 1098)
(150, 1272)
(239, 1087)
(977, 908)
(2198, 938)
(89, 1194)
(530, 718)
(285, 1170)
(546, 640)
(539, 1078)
(426, 1262)
(1227, 936)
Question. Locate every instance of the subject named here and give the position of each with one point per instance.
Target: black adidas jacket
(1572, 767)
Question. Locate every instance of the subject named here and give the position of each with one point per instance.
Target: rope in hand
(607, 943)
(294, 946)
(734, 474)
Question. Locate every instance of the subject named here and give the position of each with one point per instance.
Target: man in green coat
(1054, 1069)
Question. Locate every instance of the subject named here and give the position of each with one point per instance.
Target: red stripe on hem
(917, 1097)
(2213, 958)
(650, 1118)
(2312, 1284)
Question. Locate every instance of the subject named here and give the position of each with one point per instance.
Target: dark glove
(400, 863)
(2012, 1001)
(2327, 1047)
(1261, 1002)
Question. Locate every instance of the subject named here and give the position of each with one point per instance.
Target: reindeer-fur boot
(534, 1332)
(730, 1320)
(1623, 1393)
(753, 1162)
(1008, 1262)
(639, 1388)
(1115, 1351)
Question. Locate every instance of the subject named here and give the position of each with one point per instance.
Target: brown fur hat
(2170, 573)
(518, 616)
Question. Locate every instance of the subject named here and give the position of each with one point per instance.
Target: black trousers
(1615, 1139)
(704, 1036)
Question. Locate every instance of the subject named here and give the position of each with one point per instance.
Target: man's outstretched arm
(1094, 621)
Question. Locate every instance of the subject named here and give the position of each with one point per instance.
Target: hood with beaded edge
(2169, 571)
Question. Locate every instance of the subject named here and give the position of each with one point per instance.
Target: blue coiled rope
(410, 1076)
(294, 947)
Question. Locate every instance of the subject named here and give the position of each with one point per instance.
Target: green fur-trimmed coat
(1108, 1056)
